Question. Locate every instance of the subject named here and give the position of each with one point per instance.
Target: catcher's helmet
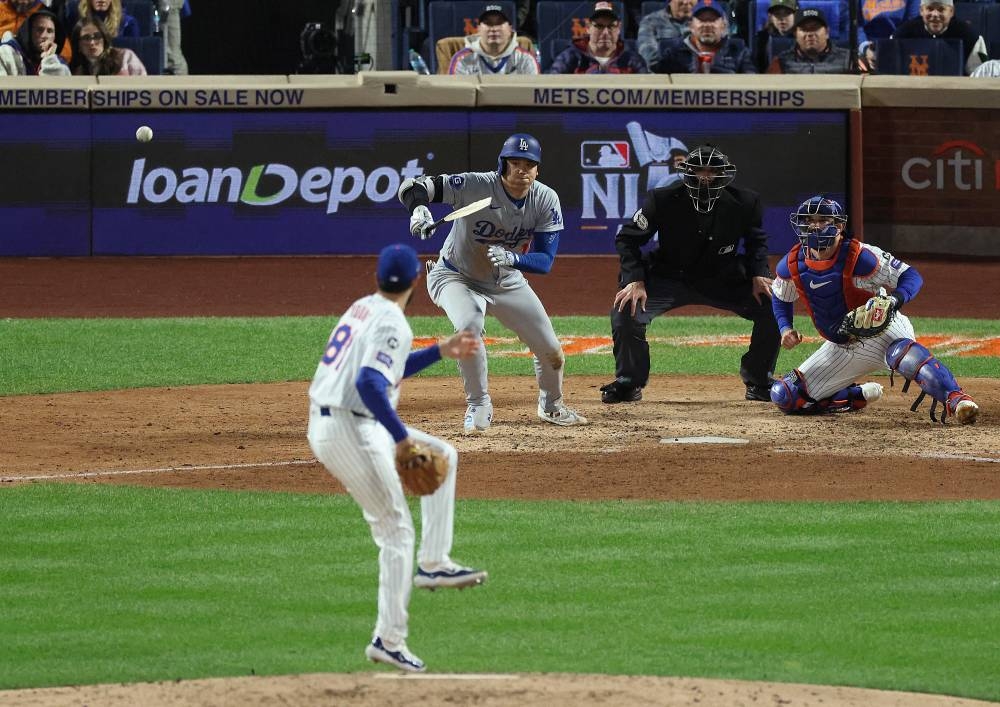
(706, 172)
(519, 146)
(813, 235)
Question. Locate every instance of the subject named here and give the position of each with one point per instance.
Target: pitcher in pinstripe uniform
(832, 274)
(354, 431)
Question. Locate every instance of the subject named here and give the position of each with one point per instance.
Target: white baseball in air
(144, 133)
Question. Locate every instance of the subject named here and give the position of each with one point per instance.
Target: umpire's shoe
(760, 393)
(398, 656)
(618, 392)
(449, 576)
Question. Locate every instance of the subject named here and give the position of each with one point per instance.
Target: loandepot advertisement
(324, 182)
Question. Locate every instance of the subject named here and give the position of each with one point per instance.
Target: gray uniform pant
(519, 310)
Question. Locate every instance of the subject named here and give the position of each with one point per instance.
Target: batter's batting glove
(422, 223)
(501, 256)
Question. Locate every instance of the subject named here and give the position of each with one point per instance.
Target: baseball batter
(481, 265)
(832, 274)
(354, 431)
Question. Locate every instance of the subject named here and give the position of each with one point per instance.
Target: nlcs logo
(957, 163)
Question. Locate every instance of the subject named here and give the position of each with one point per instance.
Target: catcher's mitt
(421, 468)
(871, 318)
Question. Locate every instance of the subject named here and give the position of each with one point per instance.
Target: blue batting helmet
(519, 146)
(812, 235)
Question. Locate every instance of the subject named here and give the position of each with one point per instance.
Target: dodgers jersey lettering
(502, 223)
(373, 333)
(829, 294)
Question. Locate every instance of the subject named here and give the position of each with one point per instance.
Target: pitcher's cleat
(449, 576)
(396, 656)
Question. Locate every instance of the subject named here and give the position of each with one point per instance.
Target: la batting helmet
(818, 236)
(519, 146)
(706, 172)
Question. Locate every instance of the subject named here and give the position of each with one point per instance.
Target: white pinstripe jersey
(372, 333)
(501, 223)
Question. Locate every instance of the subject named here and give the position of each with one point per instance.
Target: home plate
(703, 440)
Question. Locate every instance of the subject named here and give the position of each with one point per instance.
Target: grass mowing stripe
(54, 355)
(108, 583)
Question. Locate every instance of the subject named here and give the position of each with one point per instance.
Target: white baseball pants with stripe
(835, 366)
(360, 453)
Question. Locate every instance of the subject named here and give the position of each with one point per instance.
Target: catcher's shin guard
(916, 363)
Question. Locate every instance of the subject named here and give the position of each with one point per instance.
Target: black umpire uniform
(697, 262)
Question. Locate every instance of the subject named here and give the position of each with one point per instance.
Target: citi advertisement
(325, 182)
(960, 165)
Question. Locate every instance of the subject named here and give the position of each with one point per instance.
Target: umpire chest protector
(701, 245)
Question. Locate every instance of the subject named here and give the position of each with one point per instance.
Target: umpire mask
(706, 172)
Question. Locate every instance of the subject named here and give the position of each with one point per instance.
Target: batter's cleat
(562, 415)
(397, 656)
(449, 576)
(965, 409)
(871, 392)
(477, 418)
(760, 393)
(618, 392)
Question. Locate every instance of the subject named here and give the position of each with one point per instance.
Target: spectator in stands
(878, 19)
(33, 50)
(602, 51)
(813, 52)
(937, 20)
(171, 12)
(780, 23)
(13, 13)
(709, 49)
(988, 69)
(494, 49)
(672, 21)
(118, 22)
(526, 18)
(93, 54)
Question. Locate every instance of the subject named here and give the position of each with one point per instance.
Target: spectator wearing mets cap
(601, 51)
(813, 52)
(709, 49)
(937, 21)
(493, 49)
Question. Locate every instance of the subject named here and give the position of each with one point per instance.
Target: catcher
(853, 292)
(355, 432)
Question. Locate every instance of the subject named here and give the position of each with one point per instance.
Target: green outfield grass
(119, 584)
(52, 355)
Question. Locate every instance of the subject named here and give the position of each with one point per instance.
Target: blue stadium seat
(920, 57)
(149, 50)
(142, 11)
(776, 45)
(991, 29)
(456, 18)
(566, 19)
(974, 13)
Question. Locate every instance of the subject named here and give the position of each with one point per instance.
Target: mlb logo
(605, 154)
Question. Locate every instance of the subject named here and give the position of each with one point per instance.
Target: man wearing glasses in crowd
(602, 50)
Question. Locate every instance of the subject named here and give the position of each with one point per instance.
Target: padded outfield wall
(310, 164)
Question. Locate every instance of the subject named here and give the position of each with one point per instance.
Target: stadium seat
(457, 18)
(920, 57)
(776, 45)
(974, 13)
(142, 11)
(991, 29)
(149, 50)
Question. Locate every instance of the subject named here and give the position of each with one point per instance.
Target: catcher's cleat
(966, 410)
(618, 392)
(398, 656)
(477, 418)
(449, 576)
(562, 415)
(871, 392)
(759, 393)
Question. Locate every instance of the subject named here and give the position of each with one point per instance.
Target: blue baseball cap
(712, 5)
(397, 268)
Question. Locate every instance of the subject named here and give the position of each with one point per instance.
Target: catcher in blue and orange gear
(853, 292)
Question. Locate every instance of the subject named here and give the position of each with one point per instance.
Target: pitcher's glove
(421, 468)
(871, 318)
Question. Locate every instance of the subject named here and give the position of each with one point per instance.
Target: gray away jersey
(501, 223)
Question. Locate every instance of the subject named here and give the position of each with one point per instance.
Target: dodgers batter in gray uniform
(354, 431)
(481, 264)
